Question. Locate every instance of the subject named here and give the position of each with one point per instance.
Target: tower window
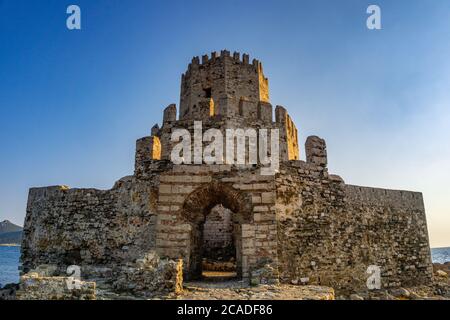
(207, 92)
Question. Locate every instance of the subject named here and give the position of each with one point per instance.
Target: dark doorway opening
(207, 92)
(218, 247)
(215, 213)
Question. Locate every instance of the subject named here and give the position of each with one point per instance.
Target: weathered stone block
(35, 287)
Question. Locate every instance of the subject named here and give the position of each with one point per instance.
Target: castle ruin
(300, 225)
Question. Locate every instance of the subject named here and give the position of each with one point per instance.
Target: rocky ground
(237, 291)
(219, 288)
(440, 268)
(222, 285)
(227, 291)
(440, 290)
(8, 292)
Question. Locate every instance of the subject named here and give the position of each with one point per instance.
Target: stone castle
(300, 225)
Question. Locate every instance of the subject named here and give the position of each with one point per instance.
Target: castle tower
(224, 92)
(222, 85)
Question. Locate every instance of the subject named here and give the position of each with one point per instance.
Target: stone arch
(195, 209)
(198, 204)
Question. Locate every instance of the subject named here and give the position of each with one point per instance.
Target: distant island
(10, 234)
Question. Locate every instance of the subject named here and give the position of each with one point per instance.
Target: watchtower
(223, 85)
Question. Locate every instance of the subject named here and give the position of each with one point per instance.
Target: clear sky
(72, 103)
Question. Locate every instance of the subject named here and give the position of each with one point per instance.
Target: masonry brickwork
(300, 225)
(218, 229)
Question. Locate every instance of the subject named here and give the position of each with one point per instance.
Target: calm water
(440, 255)
(9, 262)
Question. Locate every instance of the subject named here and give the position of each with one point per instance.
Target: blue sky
(72, 103)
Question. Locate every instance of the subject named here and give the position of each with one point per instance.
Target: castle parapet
(265, 111)
(248, 109)
(288, 135)
(147, 148)
(170, 113)
(156, 130)
(316, 151)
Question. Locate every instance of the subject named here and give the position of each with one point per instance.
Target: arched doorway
(199, 210)
(219, 244)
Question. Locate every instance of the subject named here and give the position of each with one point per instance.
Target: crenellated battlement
(206, 59)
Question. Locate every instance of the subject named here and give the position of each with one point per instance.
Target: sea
(9, 262)
(440, 255)
(9, 265)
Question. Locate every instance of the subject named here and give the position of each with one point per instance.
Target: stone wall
(150, 276)
(89, 227)
(392, 229)
(218, 235)
(329, 233)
